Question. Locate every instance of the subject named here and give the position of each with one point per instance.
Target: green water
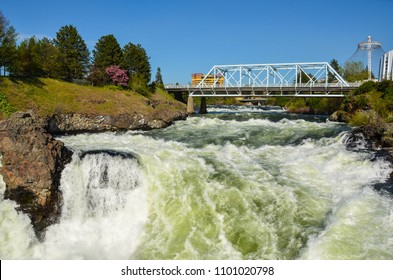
(238, 183)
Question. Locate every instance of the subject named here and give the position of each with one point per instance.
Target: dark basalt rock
(339, 116)
(357, 139)
(112, 153)
(32, 164)
(387, 186)
(369, 138)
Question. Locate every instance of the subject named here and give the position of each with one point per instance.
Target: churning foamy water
(235, 184)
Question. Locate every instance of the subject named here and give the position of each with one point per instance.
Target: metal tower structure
(373, 50)
(369, 46)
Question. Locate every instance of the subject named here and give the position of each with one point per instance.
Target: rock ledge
(32, 164)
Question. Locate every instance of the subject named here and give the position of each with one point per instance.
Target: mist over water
(239, 183)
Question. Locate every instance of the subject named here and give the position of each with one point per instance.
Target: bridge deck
(272, 91)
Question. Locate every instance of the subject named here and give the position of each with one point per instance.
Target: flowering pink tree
(117, 75)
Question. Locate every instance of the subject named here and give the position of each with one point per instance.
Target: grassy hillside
(49, 96)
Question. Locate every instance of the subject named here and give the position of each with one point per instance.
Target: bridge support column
(190, 105)
(203, 109)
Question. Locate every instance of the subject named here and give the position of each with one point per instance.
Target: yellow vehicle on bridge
(209, 79)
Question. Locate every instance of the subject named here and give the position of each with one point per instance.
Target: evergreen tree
(27, 63)
(48, 56)
(336, 67)
(7, 43)
(136, 61)
(36, 58)
(304, 78)
(74, 55)
(107, 52)
(158, 81)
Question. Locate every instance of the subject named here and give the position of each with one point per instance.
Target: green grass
(48, 96)
(6, 108)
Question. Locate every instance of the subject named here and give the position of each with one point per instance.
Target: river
(238, 183)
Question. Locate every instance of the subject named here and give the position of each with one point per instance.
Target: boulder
(339, 116)
(32, 164)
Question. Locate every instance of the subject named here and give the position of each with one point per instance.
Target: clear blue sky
(183, 37)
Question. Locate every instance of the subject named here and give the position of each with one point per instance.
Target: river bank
(370, 110)
(72, 108)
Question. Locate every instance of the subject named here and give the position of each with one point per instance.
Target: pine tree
(36, 58)
(48, 56)
(158, 81)
(74, 55)
(107, 52)
(136, 61)
(7, 43)
(336, 67)
(27, 62)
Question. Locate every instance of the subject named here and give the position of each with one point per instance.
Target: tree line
(67, 57)
(353, 71)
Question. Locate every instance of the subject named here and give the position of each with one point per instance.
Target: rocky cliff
(32, 164)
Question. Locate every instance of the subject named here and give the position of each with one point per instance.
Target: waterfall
(243, 184)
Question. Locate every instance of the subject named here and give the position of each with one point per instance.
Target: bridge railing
(302, 85)
(170, 86)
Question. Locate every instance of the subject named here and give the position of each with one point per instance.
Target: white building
(386, 66)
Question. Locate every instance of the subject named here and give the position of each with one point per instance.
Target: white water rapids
(236, 184)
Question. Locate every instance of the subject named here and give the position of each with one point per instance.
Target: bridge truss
(315, 79)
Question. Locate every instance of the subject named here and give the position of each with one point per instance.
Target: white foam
(218, 200)
(104, 210)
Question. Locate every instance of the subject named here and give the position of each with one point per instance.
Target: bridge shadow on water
(271, 113)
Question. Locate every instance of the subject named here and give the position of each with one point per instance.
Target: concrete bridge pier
(190, 105)
(203, 109)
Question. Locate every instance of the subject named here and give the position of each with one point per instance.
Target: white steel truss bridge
(313, 79)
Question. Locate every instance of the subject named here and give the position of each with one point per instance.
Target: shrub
(139, 84)
(117, 75)
(143, 91)
(360, 102)
(98, 77)
(5, 107)
(365, 87)
(385, 87)
(360, 118)
(369, 117)
(297, 103)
